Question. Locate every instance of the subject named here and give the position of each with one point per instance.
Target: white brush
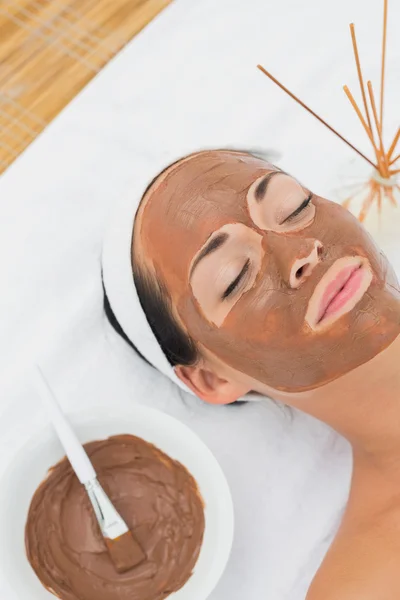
(124, 550)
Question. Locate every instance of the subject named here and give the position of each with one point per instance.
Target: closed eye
(232, 286)
(298, 210)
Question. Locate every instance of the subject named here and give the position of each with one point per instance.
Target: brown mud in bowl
(156, 496)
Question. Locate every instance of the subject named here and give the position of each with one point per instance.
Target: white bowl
(30, 466)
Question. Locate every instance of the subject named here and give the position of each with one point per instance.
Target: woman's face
(276, 282)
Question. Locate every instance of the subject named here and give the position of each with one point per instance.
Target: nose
(302, 267)
(295, 256)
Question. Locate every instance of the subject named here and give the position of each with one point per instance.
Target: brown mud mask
(278, 283)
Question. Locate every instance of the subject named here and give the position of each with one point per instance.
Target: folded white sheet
(189, 79)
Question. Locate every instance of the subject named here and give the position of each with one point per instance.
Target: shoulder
(336, 590)
(348, 583)
(361, 566)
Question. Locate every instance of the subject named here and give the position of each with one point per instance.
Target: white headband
(118, 277)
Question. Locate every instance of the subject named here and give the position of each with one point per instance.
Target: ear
(208, 386)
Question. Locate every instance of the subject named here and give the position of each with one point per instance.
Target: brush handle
(73, 448)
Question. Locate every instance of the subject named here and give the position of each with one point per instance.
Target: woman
(244, 280)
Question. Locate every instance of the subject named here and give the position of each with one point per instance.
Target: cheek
(341, 233)
(262, 319)
(264, 316)
(193, 320)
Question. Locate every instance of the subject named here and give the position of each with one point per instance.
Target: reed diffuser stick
(380, 184)
(394, 144)
(315, 114)
(385, 14)
(382, 158)
(360, 76)
(360, 116)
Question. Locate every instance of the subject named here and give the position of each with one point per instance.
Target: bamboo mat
(49, 50)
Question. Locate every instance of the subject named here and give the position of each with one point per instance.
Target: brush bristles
(125, 552)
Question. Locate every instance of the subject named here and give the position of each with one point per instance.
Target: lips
(339, 290)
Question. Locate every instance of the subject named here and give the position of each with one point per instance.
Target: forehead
(194, 198)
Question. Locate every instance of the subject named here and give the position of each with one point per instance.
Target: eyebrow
(212, 245)
(261, 188)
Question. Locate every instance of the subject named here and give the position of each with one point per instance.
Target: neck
(364, 407)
